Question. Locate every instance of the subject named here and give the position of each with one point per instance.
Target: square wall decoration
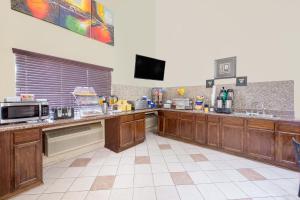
(85, 17)
(225, 68)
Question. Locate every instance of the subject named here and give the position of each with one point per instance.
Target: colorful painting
(75, 15)
(47, 10)
(85, 17)
(102, 23)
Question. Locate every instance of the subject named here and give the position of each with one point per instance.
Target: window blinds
(55, 79)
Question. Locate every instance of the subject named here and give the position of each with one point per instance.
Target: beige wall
(264, 35)
(134, 33)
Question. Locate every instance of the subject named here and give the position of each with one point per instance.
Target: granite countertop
(61, 122)
(282, 118)
(53, 123)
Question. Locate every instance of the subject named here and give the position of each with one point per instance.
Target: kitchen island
(259, 138)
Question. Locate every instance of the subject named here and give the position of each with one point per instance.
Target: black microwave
(23, 111)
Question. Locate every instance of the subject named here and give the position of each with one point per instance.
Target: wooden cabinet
(232, 134)
(187, 126)
(260, 138)
(285, 153)
(5, 163)
(171, 124)
(27, 158)
(127, 132)
(140, 130)
(124, 132)
(161, 122)
(213, 131)
(201, 134)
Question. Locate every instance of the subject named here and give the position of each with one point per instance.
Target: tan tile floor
(163, 169)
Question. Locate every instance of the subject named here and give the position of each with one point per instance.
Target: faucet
(263, 108)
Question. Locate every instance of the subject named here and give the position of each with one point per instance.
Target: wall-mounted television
(149, 68)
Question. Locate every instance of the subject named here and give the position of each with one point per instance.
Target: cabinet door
(187, 129)
(260, 143)
(285, 152)
(140, 130)
(127, 133)
(201, 134)
(171, 126)
(28, 163)
(213, 134)
(233, 138)
(160, 125)
(5, 163)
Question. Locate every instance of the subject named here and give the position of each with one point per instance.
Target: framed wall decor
(86, 17)
(241, 81)
(210, 83)
(225, 68)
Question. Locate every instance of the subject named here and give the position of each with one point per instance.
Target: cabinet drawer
(261, 124)
(187, 116)
(288, 127)
(127, 118)
(233, 121)
(25, 136)
(171, 115)
(212, 118)
(139, 116)
(200, 117)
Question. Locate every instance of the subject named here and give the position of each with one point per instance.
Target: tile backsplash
(277, 96)
(130, 92)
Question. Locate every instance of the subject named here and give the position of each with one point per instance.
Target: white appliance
(71, 138)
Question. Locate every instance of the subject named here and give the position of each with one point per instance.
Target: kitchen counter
(243, 115)
(53, 123)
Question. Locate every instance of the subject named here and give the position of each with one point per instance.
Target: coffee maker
(225, 101)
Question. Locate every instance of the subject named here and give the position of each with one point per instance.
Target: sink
(256, 115)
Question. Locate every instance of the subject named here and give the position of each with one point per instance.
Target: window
(55, 79)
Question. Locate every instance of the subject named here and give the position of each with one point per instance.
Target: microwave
(23, 112)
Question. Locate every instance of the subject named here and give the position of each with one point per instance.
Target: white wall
(134, 33)
(263, 34)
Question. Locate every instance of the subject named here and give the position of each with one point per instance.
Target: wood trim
(64, 60)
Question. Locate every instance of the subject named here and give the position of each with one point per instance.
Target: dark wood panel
(285, 152)
(233, 121)
(28, 135)
(139, 116)
(127, 132)
(201, 134)
(112, 134)
(172, 115)
(127, 118)
(212, 118)
(213, 134)
(140, 128)
(233, 138)
(171, 126)
(187, 129)
(187, 116)
(161, 125)
(288, 127)
(261, 124)
(260, 143)
(27, 164)
(200, 117)
(5, 163)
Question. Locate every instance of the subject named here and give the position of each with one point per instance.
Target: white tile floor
(166, 170)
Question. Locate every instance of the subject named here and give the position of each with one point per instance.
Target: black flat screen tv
(149, 68)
